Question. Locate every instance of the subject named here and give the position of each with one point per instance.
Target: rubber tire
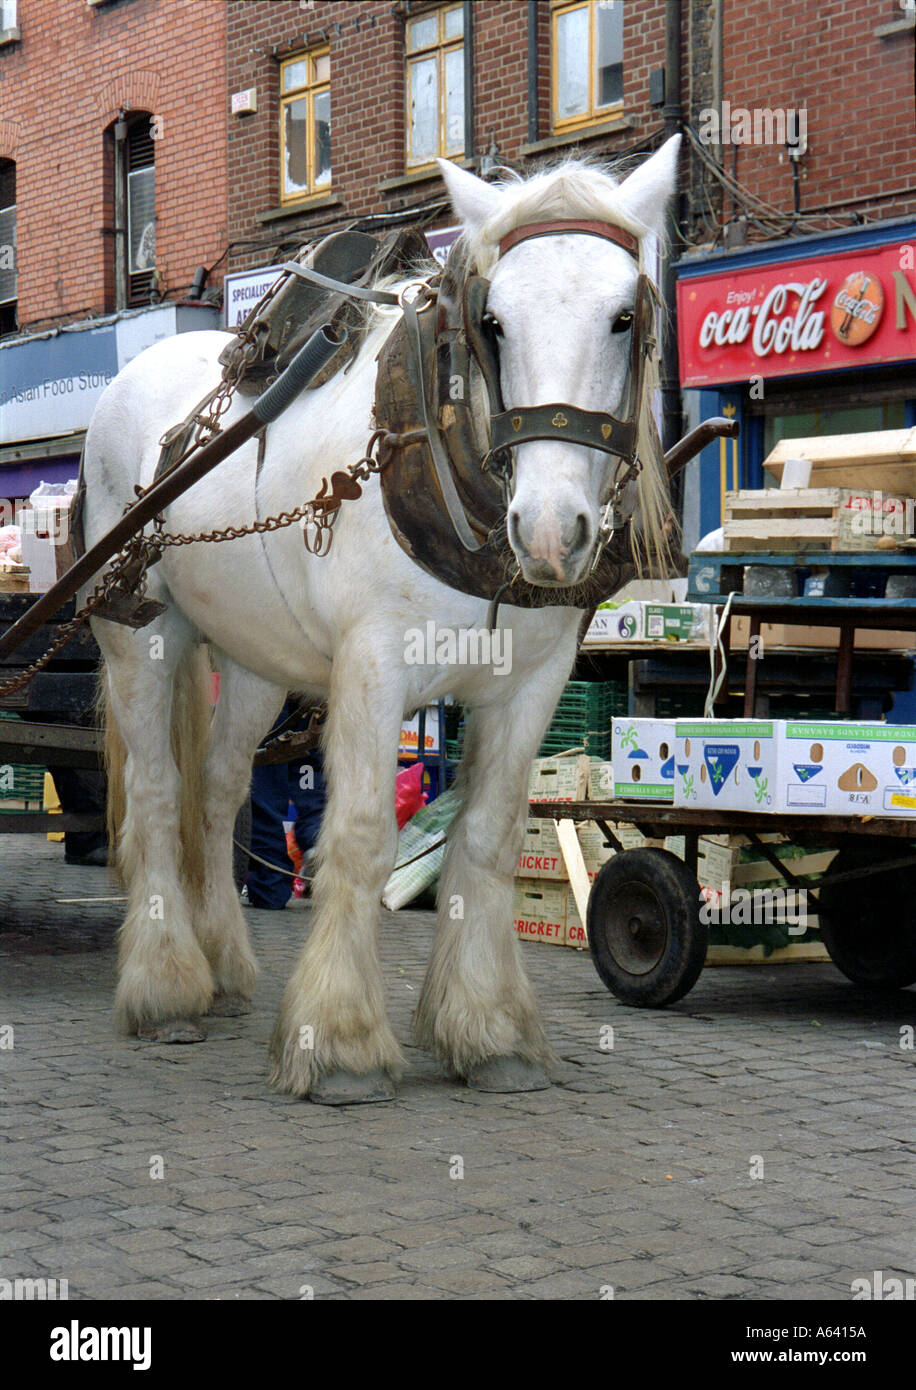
(659, 877)
(870, 913)
(241, 837)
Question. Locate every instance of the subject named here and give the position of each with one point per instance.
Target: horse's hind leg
(332, 1040)
(164, 980)
(477, 1011)
(246, 709)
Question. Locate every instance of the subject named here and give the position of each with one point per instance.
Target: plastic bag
(409, 795)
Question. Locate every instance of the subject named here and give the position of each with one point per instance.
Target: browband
(602, 229)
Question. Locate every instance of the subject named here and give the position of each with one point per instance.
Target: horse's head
(562, 310)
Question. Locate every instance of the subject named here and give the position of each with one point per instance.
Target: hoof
(229, 1006)
(346, 1088)
(507, 1074)
(172, 1030)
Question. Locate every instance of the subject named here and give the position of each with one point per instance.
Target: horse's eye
(623, 322)
(492, 324)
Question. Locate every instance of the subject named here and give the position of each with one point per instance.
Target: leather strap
(450, 497)
(354, 291)
(591, 428)
(563, 228)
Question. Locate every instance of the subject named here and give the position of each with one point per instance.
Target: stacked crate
(582, 718)
(21, 784)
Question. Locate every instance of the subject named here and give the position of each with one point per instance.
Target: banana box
(642, 755)
(848, 769)
(726, 764)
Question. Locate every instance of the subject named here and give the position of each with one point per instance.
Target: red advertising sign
(817, 315)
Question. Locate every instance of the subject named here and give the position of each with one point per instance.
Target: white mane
(572, 189)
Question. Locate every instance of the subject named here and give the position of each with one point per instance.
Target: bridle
(559, 420)
(448, 466)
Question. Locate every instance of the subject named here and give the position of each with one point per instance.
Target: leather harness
(446, 491)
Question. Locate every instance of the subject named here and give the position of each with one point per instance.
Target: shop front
(802, 337)
(50, 383)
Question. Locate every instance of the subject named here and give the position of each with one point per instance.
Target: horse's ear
(473, 200)
(646, 191)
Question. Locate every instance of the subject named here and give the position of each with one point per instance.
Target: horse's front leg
(332, 1040)
(477, 1011)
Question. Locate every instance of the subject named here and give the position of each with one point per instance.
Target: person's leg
(82, 792)
(268, 888)
(308, 792)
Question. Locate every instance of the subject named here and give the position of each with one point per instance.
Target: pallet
(799, 519)
(853, 581)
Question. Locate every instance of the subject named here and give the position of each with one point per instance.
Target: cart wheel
(644, 928)
(865, 924)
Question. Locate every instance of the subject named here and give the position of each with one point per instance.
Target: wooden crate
(14, 579)
(802, 519)
(883, 459)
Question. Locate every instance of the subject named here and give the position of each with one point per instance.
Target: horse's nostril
(581, 533)
(514, 529)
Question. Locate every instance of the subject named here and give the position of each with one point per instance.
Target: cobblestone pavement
(633, 1171)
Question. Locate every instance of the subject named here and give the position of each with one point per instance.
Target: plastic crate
(22, 783)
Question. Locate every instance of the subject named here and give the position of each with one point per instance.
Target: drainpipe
(468, 10)
(671, 112)
(532, 71)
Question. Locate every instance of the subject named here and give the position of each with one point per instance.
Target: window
(7, 15)
(7, 246)
(305, 125)
(587, 62)
(435, 84)
(134, 209)
(141, 212)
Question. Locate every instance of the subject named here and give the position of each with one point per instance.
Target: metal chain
(131, 557)
(128, 570)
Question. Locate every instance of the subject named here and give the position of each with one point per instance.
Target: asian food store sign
(825, 313)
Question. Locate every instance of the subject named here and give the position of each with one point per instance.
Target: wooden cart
(645, 932)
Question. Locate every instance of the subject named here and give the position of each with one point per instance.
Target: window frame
(440, 48)
(9, 308)
(562, 125)
(311, 88)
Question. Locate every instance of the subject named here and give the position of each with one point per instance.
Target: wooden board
(881, 459)
(800, 519)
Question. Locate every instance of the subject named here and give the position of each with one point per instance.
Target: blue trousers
(273, 788)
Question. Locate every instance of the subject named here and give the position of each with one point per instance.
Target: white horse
(276, 618)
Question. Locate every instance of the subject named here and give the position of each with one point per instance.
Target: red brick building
(112, 192)
(493, 70)
(826, 166)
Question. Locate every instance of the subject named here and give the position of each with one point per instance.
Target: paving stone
(565, 1192)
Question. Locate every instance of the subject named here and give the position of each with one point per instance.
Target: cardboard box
(642, 753)
(47, 545)
(847, 769)
(576, 934)
(600, 781)
(726, 765)
(539, 911)
(541, 856)
(558, 779)
(640, 621)
(799, 635)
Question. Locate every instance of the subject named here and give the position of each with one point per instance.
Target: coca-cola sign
(799, 316)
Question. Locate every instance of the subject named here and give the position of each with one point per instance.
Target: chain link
(128, 571)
